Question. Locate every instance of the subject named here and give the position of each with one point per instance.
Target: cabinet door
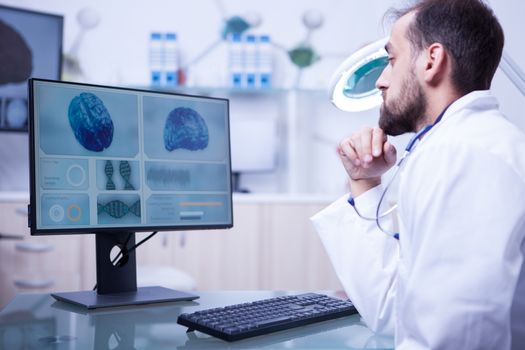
(223, 259)
(293, 258)
(215, 259)
(15, 282)
(34, 263)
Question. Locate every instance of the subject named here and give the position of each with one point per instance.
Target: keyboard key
(273, 321)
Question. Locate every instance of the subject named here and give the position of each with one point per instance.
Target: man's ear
(436, 63)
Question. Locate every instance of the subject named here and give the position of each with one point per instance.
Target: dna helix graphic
(117, 209)
(108, 169)
(124, 171)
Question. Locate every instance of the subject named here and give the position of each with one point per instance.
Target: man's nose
(382, 81)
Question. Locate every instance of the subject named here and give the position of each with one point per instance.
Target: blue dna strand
(125, 172)
(118, 209)
(108, 170)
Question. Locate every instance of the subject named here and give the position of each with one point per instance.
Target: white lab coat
(456, 278)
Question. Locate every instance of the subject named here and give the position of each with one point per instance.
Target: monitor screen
(117, 159)
(30, 46)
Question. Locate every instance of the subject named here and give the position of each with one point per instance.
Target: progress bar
(201, 204)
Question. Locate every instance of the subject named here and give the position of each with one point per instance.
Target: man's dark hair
(469, 31)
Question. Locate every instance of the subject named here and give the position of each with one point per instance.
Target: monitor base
(143, 295)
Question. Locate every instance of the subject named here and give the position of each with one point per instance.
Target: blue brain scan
(185, 129)
(91, 122)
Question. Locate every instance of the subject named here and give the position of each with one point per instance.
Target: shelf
(14, 197)
(283, 198)
(211, 91)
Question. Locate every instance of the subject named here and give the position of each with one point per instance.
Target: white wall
(510, 14)
(116, 52)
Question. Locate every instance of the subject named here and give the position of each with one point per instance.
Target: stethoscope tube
(408, 149)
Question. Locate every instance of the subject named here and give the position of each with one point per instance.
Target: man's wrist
(358, 187)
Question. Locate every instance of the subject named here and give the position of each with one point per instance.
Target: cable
(125, 252)
(123, 249)
(133, 248)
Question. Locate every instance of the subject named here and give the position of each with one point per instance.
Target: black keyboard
(246, 320)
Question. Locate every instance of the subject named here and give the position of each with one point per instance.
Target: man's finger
(365, 153)
(390, 153)
(346, 149)
(378, 140)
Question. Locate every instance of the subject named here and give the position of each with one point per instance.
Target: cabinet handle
(21, 211)
(10, 236)
(34, 247)
(182, 241)
(28, 284)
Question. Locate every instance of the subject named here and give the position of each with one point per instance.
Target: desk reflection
(327, 335)
(37, 321)
(137, 327)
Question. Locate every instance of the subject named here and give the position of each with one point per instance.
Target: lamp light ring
(352, 87)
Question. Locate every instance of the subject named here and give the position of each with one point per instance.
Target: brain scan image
(91, 122)
(185, 129)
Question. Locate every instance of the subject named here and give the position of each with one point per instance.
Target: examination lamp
(353, 89)
(353, 86)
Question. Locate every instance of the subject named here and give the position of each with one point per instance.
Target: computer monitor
(30, 46)
(114, 161)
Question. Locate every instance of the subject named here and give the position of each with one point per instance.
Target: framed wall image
(30, 46)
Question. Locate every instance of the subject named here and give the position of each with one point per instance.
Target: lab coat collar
(475, 100)
(480, 99)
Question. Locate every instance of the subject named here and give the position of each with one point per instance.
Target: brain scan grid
(115, 157)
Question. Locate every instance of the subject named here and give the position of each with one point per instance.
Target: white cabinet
(34, 264)
(272, 246)
(293, 257)
(223, 259)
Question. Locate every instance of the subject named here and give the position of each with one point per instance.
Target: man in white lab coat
(455, 277)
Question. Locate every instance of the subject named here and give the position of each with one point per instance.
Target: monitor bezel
(35, 231)
(60, 19)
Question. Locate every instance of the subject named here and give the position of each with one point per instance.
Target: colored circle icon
(75, 175)
(56, 213)
(74, 213)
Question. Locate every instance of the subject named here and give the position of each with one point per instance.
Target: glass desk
(37, 321)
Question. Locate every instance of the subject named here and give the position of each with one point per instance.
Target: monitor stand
(236, 183)
(117, 285)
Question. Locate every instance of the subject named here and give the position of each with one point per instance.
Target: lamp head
(352, 88)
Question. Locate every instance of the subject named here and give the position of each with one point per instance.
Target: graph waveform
(165, 176)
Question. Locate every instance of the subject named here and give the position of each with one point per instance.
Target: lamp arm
(513, 72)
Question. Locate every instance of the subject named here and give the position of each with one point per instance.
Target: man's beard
(406, 112)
